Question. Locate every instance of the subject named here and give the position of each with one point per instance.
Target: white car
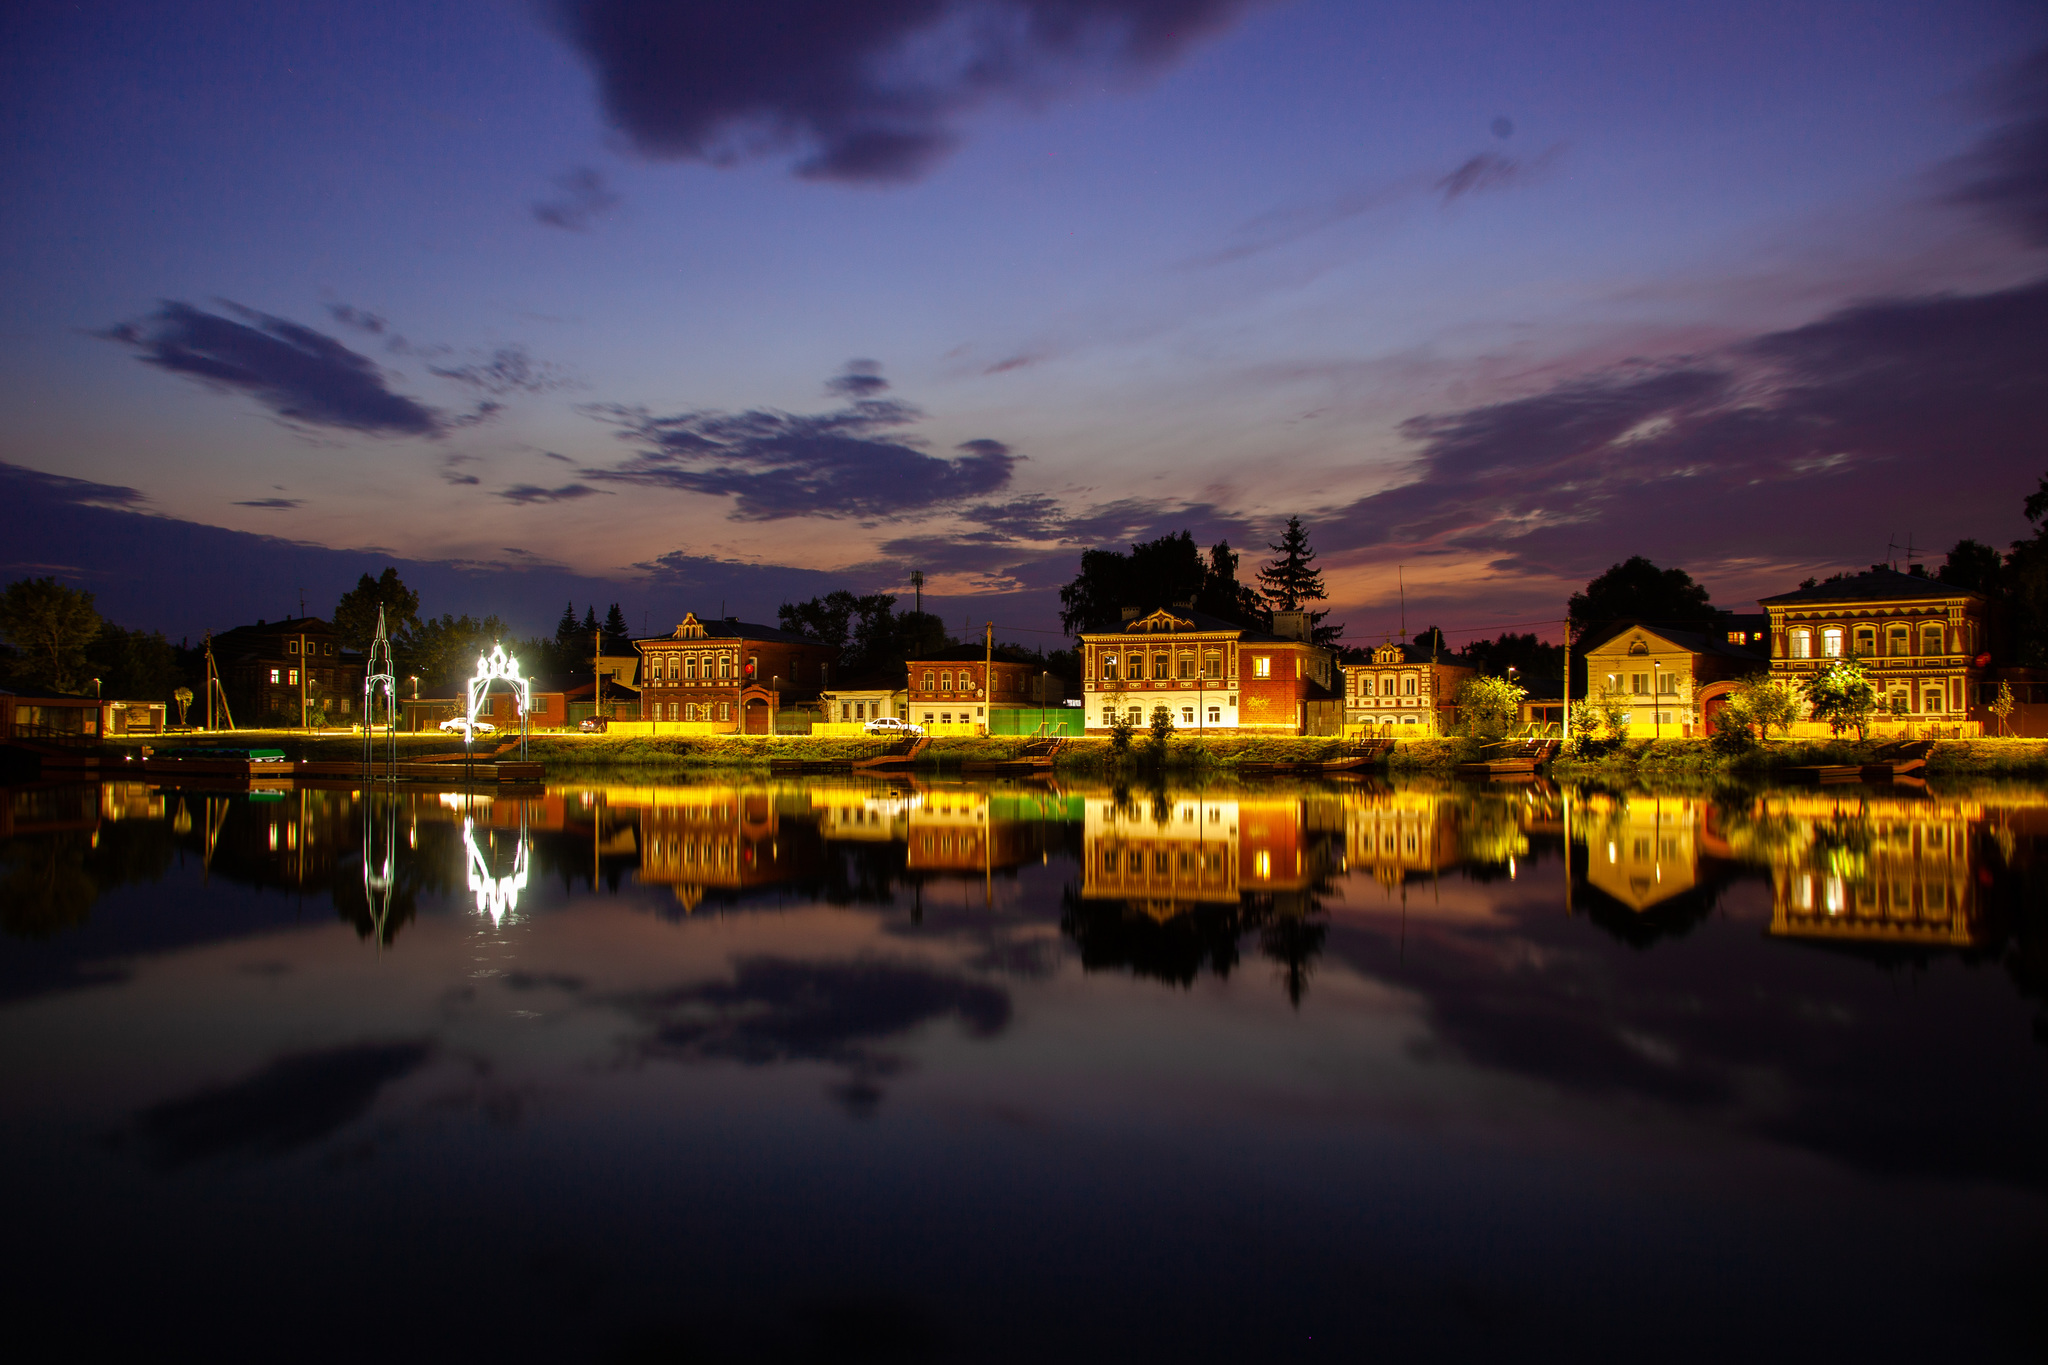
(889, 725)
(453, 725)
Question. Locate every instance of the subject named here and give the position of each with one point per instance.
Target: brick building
(288, 672)
(960, 686)
(734, 675)
(1210, 674)
(1924, 643)
(1406, 686)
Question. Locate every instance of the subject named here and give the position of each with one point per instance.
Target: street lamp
(1656, 716)
(415, 686)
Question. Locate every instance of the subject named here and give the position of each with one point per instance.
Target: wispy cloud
(530, 493)
(582, 196)
(2006, 175)
(273, 504)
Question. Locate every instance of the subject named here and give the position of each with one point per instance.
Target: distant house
(965, 685)
(1406, 686)
(289, 673)
(872, 696)
(732, 674)
(499, 710)
(1670, 681)
(1925, 643)
(30, 714)
(1210, 674)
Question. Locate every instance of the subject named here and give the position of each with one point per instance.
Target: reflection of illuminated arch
(495, 896)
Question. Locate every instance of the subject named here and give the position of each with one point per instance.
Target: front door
(760, 719)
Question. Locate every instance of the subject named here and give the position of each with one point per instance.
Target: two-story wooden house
(1924, 642)
(291, 672)
(1209, 674)
(965, 684)
(734, 675)
(1406, 686)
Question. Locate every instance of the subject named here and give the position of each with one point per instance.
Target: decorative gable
(1160, 620)
(1387, 654)
(691, 628)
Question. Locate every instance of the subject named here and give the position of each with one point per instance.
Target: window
(753, 665)
(291, 647)
(1864, 642)
(1135, 715)
(725, 710)
(329, 649)
(292, 676)
(1387, 685)
(928, 681)
(946, 681)
(1262, 666)
(1800, 644)
(1212, 665)
(675, 710)
(927, 718)
(273, 675)
(1667, 684)
(1931, 641)
(540, 706)
(1109, 668)
(1187, 715)
(1161, 667)
(690, 668)
(1187, 667)
(1639, 684)
(1215, 715)
(1831, 642)
(724, 671)
(1898, 642)
(1932, 700)
(1408, 685)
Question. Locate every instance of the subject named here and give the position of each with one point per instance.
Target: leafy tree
(1120, 729)
(824, 619)
(50, 625)
(136, 665)
(1614, 713)
(872, 636)
(1166, 572)
(2026, 585)
(1291, 581)
(355, 615)
(1432, 641)
(443, 651)
(2002, 706)
(1526, 654)
(1637, 590)
(1489, 707)
(1974, 565)
(1162, 731)
(1842, 696)
(1766, 702)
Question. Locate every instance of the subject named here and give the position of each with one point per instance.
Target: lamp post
(1656, 716)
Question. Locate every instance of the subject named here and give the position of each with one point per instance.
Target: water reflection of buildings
(700, 838)
(1856, 869)
(1164, 855)
(1643, 850)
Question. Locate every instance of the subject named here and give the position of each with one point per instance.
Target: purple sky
(687, 304)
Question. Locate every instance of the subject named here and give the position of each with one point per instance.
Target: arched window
(1799, 644)
(1898, 642)
(1864, 642)
(1408, 685)
(1387, 685)
(1108, 668)
(946, 681)
(1831, 642)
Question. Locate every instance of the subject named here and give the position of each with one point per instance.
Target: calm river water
(831, 1070)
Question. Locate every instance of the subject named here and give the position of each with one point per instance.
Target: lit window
(1109, 668)
(945, 682)
(1212, 666)
(1187, 715)
(1187, 665)
(1262, 666)
(1667, 684)
(273, 675)
(725, 710)
(1800, 644)
(1831, 643)
(1215, 715)
(1162, 666)
(1408, 685)
(292, 677)
(1863, 643)
(1387, 685)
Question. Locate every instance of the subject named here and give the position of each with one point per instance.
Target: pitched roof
(1692, 641)
(967, 654)
(1410, 654)
(1186, 621)
(1881, 583)
(730, 629)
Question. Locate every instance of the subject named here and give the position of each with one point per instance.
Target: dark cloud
(360, 319)
(2006, 175)
(451, 470)
(291, 1104)
(1482, 171)
(778, 1009)
(1813, 442)
(568, 492)
(509, 369)
(273, 504)
(583, 196)
(779, 464)
(305, 377)
(64, 489)
(864, 92)
(860, 379)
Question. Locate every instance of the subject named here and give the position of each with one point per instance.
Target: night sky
(703, 305)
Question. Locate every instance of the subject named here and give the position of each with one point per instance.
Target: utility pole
(597, 672)
(303, 670)
(988, 680)
(917, 587)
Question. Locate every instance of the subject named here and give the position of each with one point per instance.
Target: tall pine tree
(1291, 581)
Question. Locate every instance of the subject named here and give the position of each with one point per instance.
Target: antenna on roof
(1891, 551)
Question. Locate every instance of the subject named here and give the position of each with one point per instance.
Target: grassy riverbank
(1678, 757)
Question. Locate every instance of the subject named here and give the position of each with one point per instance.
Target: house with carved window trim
(731, 675)
(1209, 674)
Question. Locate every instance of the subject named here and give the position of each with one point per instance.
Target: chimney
(1917, 570)
(1881, 568)
(1132, 613)
(1292, 625)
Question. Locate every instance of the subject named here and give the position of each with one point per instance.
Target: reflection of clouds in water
(290, 1104)
(778, 1009)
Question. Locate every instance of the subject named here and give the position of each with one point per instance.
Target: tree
(824, 619)
(1526, 654)
(567, 629)
(1290, 580)
(871, 636)
(443, 652)
(1489, 707)
(355, 615)
(1766, 702)
(1974, 565)
(1637, 590)
(618, 637)
(1842, 696)
(51, 625)
(1167, 572)
(1432, 642)
(2002, 706)
(134, 664)
(2026, 584)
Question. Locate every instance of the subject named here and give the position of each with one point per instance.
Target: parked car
(889, 725)
(593, 725)
(453, 725)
